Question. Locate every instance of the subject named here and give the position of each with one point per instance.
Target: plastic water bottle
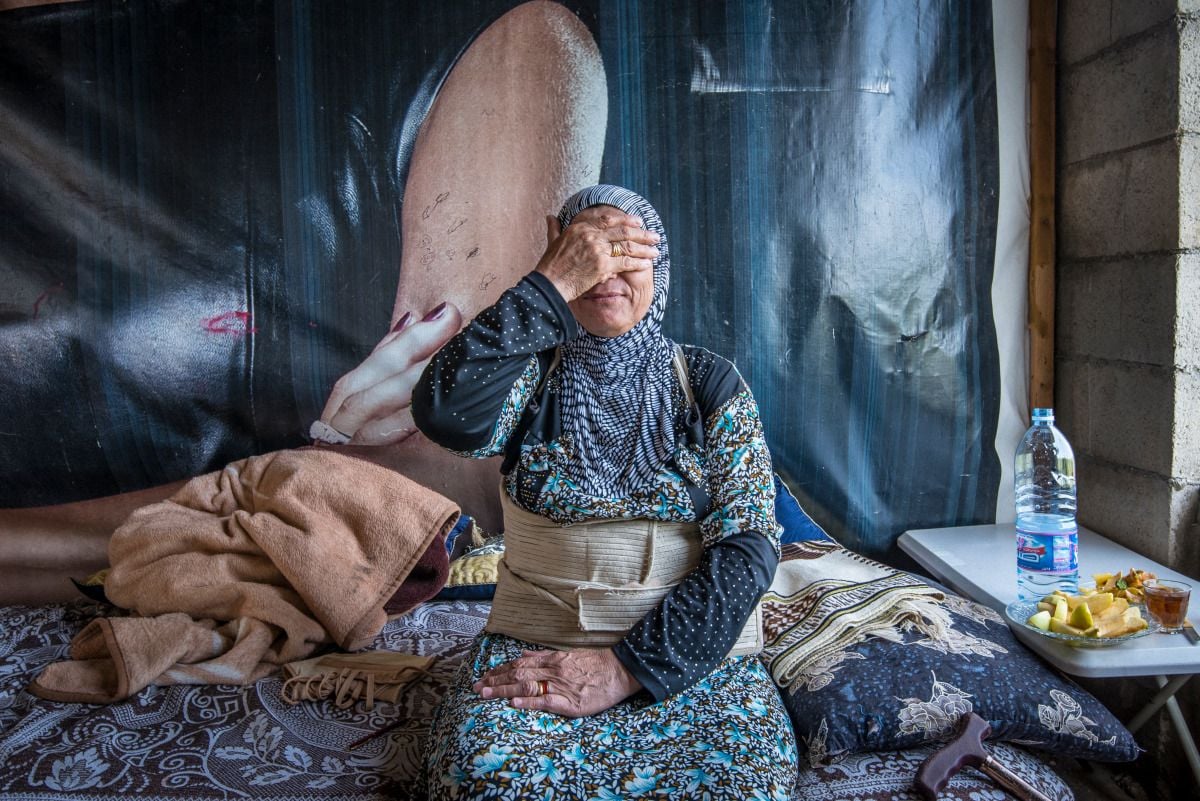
(1047, 537)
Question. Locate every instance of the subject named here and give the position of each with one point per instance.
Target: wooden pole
(1043, 25)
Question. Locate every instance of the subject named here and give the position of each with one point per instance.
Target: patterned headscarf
(616, 391)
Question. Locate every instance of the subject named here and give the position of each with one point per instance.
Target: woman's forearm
(469, 396)
(697, 623)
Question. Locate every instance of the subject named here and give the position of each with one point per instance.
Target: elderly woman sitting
(639, 532)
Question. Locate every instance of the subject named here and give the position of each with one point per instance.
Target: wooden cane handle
(965, 749)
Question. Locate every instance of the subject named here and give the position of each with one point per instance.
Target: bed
(877, 666)
(219, 742)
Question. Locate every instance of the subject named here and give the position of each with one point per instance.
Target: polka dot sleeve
(694, 627)
(697, 623)
(471, 393)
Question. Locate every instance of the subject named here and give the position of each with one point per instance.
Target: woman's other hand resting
(601, 242)
(574, 684)
(370, 404)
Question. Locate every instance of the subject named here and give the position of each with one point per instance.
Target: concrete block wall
(1127, 369)
(1127, 341)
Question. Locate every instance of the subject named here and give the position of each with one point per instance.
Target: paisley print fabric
(720, 739)
(220, 742)
(743, 478)
(210, 742)
(886, 776)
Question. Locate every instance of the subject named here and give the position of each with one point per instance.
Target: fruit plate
(1020, 611)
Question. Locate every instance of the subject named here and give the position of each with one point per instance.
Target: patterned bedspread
(210, 742)
(221, 742)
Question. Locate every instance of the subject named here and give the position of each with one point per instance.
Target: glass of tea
(1167, 602)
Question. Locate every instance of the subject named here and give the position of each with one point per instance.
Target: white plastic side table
(980, 563)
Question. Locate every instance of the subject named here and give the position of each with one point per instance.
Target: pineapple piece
(1099, 601)
(1112, 627)
(1131, 620)
(1096, 600)
(1113, 611)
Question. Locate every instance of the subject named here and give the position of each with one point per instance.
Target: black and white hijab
(616, 392)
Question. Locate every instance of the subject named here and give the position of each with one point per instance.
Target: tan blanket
(248, 568)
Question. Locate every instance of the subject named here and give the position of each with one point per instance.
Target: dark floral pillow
(881, 694)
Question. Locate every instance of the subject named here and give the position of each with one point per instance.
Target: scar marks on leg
(426, 244)
(487, 278)
(432, 207)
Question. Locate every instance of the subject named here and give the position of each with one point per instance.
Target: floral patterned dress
(725, 737)
(706, 725)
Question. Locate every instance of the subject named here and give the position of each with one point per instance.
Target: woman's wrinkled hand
(580, 257)
(577, 683)
(371, 403)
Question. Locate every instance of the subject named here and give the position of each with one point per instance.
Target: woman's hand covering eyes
(581, 256)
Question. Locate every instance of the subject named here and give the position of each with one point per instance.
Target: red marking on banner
(53, 290)
(231, 322)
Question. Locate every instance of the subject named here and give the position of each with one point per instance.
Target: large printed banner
(210, 212)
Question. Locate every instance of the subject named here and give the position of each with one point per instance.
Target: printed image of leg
(43, 548)
(517, 127)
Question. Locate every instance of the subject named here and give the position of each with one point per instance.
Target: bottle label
(1048, 553)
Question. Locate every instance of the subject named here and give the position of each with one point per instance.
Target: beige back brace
(587, 584)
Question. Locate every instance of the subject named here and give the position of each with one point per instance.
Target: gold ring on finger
(543, 687)
(617, 250)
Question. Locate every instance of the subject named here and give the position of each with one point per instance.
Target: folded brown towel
(250, 567)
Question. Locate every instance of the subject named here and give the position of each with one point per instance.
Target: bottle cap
(1043, 415)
